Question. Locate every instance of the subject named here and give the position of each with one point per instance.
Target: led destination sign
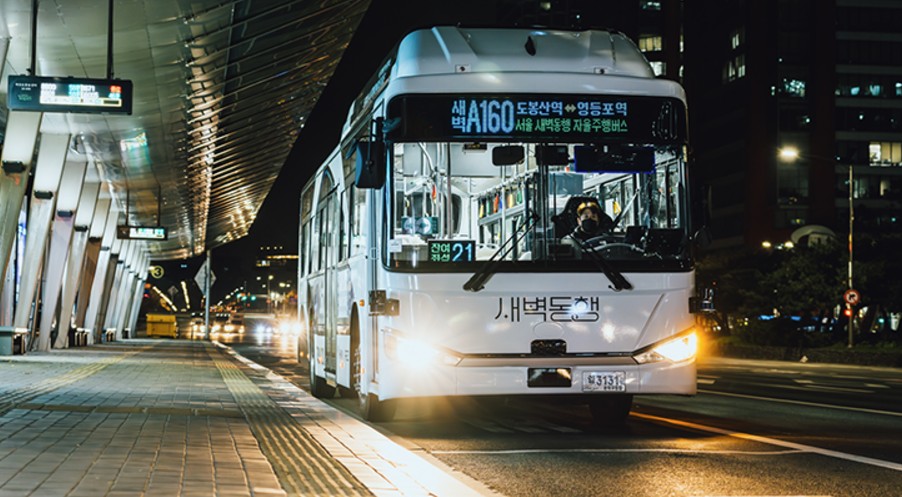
(73, 95)
(126, 232)
(569, 118)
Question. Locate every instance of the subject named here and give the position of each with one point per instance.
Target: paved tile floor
(187, 418)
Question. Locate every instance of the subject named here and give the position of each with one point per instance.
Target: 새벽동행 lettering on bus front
(557, 309)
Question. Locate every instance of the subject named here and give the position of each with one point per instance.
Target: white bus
(433, 251)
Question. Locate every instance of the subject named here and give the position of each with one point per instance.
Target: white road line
(773, 441)
(812, 385)
(803, 403)
(616, 451)
(826, 388)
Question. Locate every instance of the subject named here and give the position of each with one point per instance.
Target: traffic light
(847, 312)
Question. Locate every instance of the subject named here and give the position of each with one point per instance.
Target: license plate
(604, 381)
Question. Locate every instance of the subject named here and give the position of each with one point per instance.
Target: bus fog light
(679, 349)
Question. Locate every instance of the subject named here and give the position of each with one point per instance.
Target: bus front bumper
(545, 376)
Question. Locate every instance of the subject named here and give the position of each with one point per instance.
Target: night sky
(379, 31)
(383, 26)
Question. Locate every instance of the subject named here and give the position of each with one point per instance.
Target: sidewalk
(187, 418)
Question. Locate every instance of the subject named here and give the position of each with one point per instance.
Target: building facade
(823, 78)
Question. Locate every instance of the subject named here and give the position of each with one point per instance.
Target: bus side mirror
(370, 165)
(703, 301)
(702, 238)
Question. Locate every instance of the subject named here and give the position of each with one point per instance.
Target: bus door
(329, 240)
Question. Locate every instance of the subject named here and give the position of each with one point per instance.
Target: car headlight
(681, 348)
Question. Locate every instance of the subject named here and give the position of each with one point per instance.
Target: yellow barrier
(162, 325)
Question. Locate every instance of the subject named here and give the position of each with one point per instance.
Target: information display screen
(72, 95)
(124, 232)
(536, 118)
(452, 250)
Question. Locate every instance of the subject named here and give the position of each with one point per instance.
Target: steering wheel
(597, 241)
(600, 243)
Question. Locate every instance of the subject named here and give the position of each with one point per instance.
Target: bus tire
(373, 409)
(368, 405)
(318, 386)
(610, 410)
(352, 391)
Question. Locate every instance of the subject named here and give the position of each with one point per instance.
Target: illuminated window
(737, 38)
(885, 153)
(650, 43)
(793, 87)
(734, 68)
(658, 67)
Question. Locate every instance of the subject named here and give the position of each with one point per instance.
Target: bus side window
(342, 226)
(357, 211)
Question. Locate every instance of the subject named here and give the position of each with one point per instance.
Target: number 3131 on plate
(604, 381)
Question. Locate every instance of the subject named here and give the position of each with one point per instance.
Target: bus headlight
(679, 349)
(416, 354)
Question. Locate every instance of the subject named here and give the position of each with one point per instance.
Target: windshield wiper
(618, 281)
(481, 277)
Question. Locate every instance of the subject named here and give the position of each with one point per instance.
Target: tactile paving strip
(303, 466)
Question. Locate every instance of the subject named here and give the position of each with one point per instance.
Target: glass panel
(453, 209)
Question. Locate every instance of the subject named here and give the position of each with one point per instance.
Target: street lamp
(790, 154)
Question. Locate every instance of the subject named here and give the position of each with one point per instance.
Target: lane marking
(838, 389)
(803, 403)
(773, 441)
(807, 387)
(617, 451)
(811, 384)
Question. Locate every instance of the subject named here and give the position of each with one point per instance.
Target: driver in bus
(591, 222)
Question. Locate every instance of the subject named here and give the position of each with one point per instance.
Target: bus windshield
(457, 205)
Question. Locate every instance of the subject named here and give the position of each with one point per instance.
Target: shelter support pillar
(129, 277)
(117, 287)
(48, 171)
(75, 262)
(60, 240)
(95, 297)
(18, 150)
(141, 278)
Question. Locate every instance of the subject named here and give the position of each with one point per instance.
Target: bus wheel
(373, 409)
(318, 386)
(352, 391)
(369, 405)
(610, 410)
